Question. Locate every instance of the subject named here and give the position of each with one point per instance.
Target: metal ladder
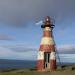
(57, 54)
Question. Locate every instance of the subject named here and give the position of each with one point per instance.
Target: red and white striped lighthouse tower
(46, 54)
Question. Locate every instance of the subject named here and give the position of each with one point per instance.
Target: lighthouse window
(46, 57)
(46, 64)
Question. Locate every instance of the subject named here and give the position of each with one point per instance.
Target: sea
(6, 64)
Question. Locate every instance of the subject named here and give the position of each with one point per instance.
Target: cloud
(39, 23)
(20, 48)
(68, 58)
(8, 53)
(5, 37)
(66, 52)
(19, 12)
(66, 49)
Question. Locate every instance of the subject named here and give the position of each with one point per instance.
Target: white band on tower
(47, 29)
(40, 55)
(47, 41)
(52, 56)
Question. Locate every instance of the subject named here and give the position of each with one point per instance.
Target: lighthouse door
(46, 60)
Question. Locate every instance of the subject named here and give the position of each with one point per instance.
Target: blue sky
(20, 37)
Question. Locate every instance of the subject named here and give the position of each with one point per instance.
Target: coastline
(16, 68)
(65, 70)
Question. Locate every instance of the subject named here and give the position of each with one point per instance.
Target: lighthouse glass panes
(46, 54)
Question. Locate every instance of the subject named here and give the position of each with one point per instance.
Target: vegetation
(64, 70)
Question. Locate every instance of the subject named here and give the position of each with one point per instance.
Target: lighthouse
(46, 59)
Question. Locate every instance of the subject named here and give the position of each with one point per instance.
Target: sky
(21, 33)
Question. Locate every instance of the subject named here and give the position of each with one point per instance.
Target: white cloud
(66, 49)
(8, 53)
(17, 52)
(39, 23)
(70, 58)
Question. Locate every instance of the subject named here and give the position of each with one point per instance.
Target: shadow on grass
(33, 69)
(66, 67)
(8, 70)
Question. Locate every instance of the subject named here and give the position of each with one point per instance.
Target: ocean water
(21, 64)
(16, 64)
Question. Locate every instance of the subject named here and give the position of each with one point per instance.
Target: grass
(64, 70)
